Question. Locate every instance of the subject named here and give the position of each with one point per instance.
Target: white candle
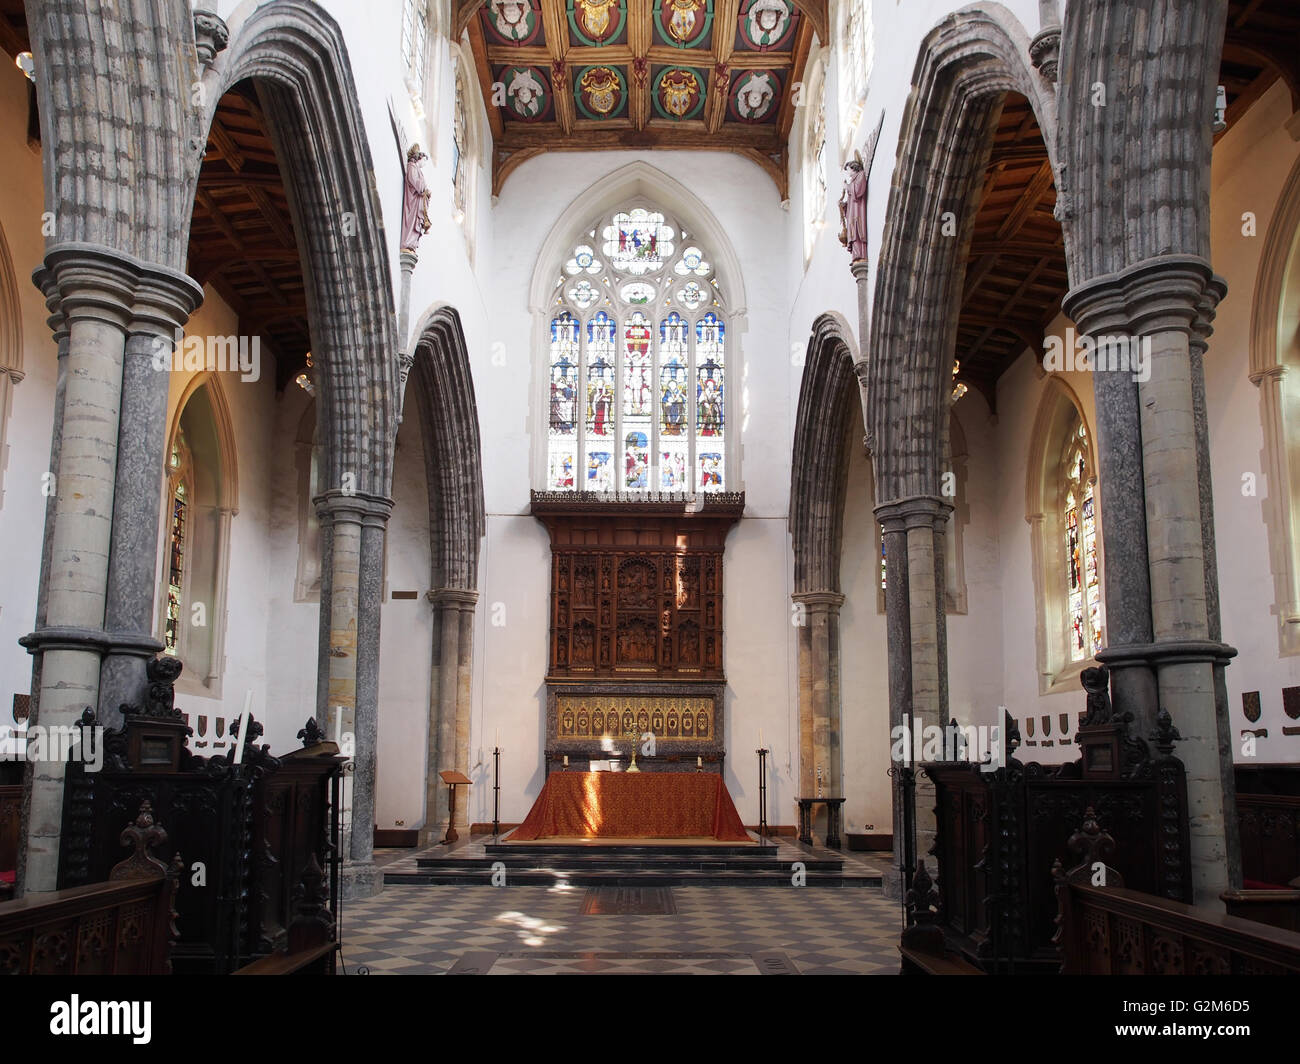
(566, 760)
(243, 728)
(760, 739)
(496, 738)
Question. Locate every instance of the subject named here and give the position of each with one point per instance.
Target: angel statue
(415, 201)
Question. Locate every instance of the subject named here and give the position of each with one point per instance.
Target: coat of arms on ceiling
(595, 22)
(766, 24)
(526, 92)
(601, 91)
(683, 23)
(679, 93)
(755, 95)
(513, 21)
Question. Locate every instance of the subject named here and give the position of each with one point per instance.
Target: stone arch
(818, 484)
(1274, 363)
(295, 55)
(444, 391)
(967, 64)
(819, 472)
(444, 388)
(1058, 404)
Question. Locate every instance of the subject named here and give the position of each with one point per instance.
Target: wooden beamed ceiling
(1015, 273)
(242, 240)
(593, 75)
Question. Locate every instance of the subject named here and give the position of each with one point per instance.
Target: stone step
(658, 864)
(482, 876)
(552, 849)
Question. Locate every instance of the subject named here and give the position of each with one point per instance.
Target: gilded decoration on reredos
(672, 719)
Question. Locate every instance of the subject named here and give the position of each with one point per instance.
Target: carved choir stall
(998, 832)
(250, 832)
(636, 627)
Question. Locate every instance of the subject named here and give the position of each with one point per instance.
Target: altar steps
(632, 865)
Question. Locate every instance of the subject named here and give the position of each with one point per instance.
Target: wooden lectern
(452, 779)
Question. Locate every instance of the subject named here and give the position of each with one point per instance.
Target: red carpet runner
(651, 805)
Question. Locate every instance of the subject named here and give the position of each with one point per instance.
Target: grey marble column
(164, 302)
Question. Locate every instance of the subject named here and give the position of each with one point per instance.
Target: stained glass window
(637, 362)
(460, 147)
(179, 480)
(415, 39)
(1082, 578)
(856, 48)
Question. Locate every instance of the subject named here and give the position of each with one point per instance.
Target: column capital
(915, 511)
(90, 281)
(861, 269)
(1272, 373)
(1160, 294)
(357, 507)
(452, 596)
(830, 601)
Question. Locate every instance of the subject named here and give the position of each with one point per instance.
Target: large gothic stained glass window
(638, 357)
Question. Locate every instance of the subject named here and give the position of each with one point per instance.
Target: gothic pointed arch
(828, 393)
(295, 55)
(1062, 508)
(202, 498)
(966, 66)
(1275, 371)
(444, 387)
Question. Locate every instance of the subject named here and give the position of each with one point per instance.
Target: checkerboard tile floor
(429, 930)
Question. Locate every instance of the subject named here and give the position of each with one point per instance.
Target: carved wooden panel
(636, 587)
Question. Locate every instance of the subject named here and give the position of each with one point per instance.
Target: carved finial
(922, 898)
(1096, 681)
(141, 834)
(310, 733)
(1045, 48)
(1166, 734)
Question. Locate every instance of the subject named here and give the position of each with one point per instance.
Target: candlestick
(243, 728)
(496, 791)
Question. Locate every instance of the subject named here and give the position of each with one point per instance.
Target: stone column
(1157, 310)
(95, 289)
(164, 302)
(819, 696)
(357, 524)
(449, 707)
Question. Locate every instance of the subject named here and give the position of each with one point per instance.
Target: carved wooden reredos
(636, 587)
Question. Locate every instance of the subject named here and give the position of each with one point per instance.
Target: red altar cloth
(651, 805)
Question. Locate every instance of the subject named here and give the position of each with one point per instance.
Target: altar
(633, 805)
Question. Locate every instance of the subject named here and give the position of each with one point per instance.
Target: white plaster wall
(1251, 163)
(406, 640)
(31, 414)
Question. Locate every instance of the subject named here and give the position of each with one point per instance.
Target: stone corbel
(1045, 48)
(211, 36)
